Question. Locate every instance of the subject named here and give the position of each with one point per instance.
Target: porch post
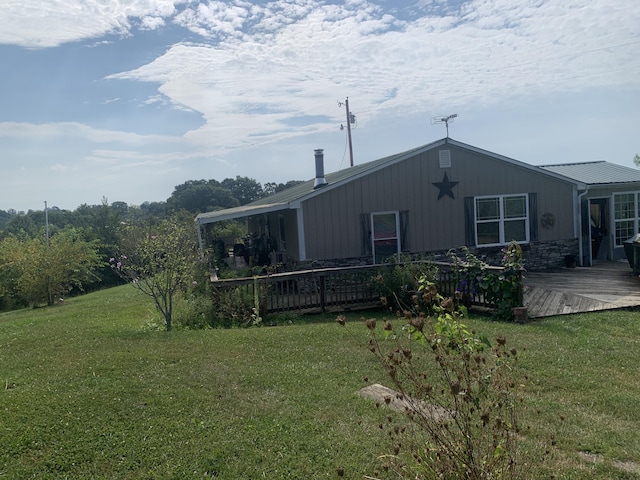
(200, 246)
(583, 227)
(520, 291)
(302, 249)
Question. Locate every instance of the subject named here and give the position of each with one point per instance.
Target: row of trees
(194, 196)
(152, 245)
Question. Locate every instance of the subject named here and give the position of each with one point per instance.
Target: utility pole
(350, 119)
(46, 220)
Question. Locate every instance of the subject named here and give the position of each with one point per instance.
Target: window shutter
(469, 222)
(365, 228)
(404, 230)
(533, 217)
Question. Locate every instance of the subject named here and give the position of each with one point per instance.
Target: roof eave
(614, 184)
(238, 212)
(519, 163)
(293, 203)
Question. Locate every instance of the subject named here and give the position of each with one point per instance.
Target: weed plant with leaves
(238, 306)
(397, 281)
(502, 289)
(233, 307)
(460, 393)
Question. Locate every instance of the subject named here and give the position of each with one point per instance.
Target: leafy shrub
(37, 271)
(195, 311)
(502, 289)
(397, 282)
(237, 307)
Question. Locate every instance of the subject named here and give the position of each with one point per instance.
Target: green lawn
(88, 392)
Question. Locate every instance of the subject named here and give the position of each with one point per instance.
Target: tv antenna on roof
(445, 120)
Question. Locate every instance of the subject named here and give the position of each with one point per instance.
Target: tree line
(193, 196)
(45, 256)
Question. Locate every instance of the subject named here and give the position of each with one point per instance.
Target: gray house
(436, 197)
(610, 206)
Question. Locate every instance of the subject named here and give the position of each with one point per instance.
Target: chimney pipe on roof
(320, 181)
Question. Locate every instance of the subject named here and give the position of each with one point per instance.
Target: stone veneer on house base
(537, 256)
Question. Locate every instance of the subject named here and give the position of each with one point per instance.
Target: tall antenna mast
(351, 119)
(445, 120)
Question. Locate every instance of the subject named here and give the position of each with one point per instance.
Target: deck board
(605, 286)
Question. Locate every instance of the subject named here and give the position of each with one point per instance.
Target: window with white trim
(385, 228)
(626, 215)
(501, 219)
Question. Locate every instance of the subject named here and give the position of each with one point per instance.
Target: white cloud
(78, 131)
(297, 59)
(59, 167)
(49, 23)
(151, 23)
(65, 162)
(216, 18)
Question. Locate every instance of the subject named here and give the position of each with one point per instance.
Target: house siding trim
(302, 249)
(238, 212)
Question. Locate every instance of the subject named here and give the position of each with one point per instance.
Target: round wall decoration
(548, 220)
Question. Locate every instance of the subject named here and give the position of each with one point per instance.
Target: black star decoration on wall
(445, 187)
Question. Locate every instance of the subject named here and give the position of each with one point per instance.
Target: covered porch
(273, 235)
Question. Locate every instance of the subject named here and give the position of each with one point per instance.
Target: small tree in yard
(159, 260)
(39, 270)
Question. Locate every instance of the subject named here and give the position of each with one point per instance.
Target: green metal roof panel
(283, 200)
(596, 173)
(300, 191)
(291, 197)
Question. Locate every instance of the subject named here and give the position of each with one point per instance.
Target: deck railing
(335, 288)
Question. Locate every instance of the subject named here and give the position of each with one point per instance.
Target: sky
(125, 99)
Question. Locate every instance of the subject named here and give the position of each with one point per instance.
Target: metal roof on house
(596, 173)
(291, 197)
(284, 199)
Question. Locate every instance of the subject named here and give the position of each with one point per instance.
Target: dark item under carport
(632, 251)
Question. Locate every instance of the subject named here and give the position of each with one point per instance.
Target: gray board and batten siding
(332, 220)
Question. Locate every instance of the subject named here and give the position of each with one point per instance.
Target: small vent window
(444, 157)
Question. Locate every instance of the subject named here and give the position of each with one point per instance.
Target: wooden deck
(605, 286)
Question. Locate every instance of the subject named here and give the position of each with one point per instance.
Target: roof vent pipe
(319, 181)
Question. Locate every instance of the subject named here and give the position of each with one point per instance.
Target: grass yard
(88, 392)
